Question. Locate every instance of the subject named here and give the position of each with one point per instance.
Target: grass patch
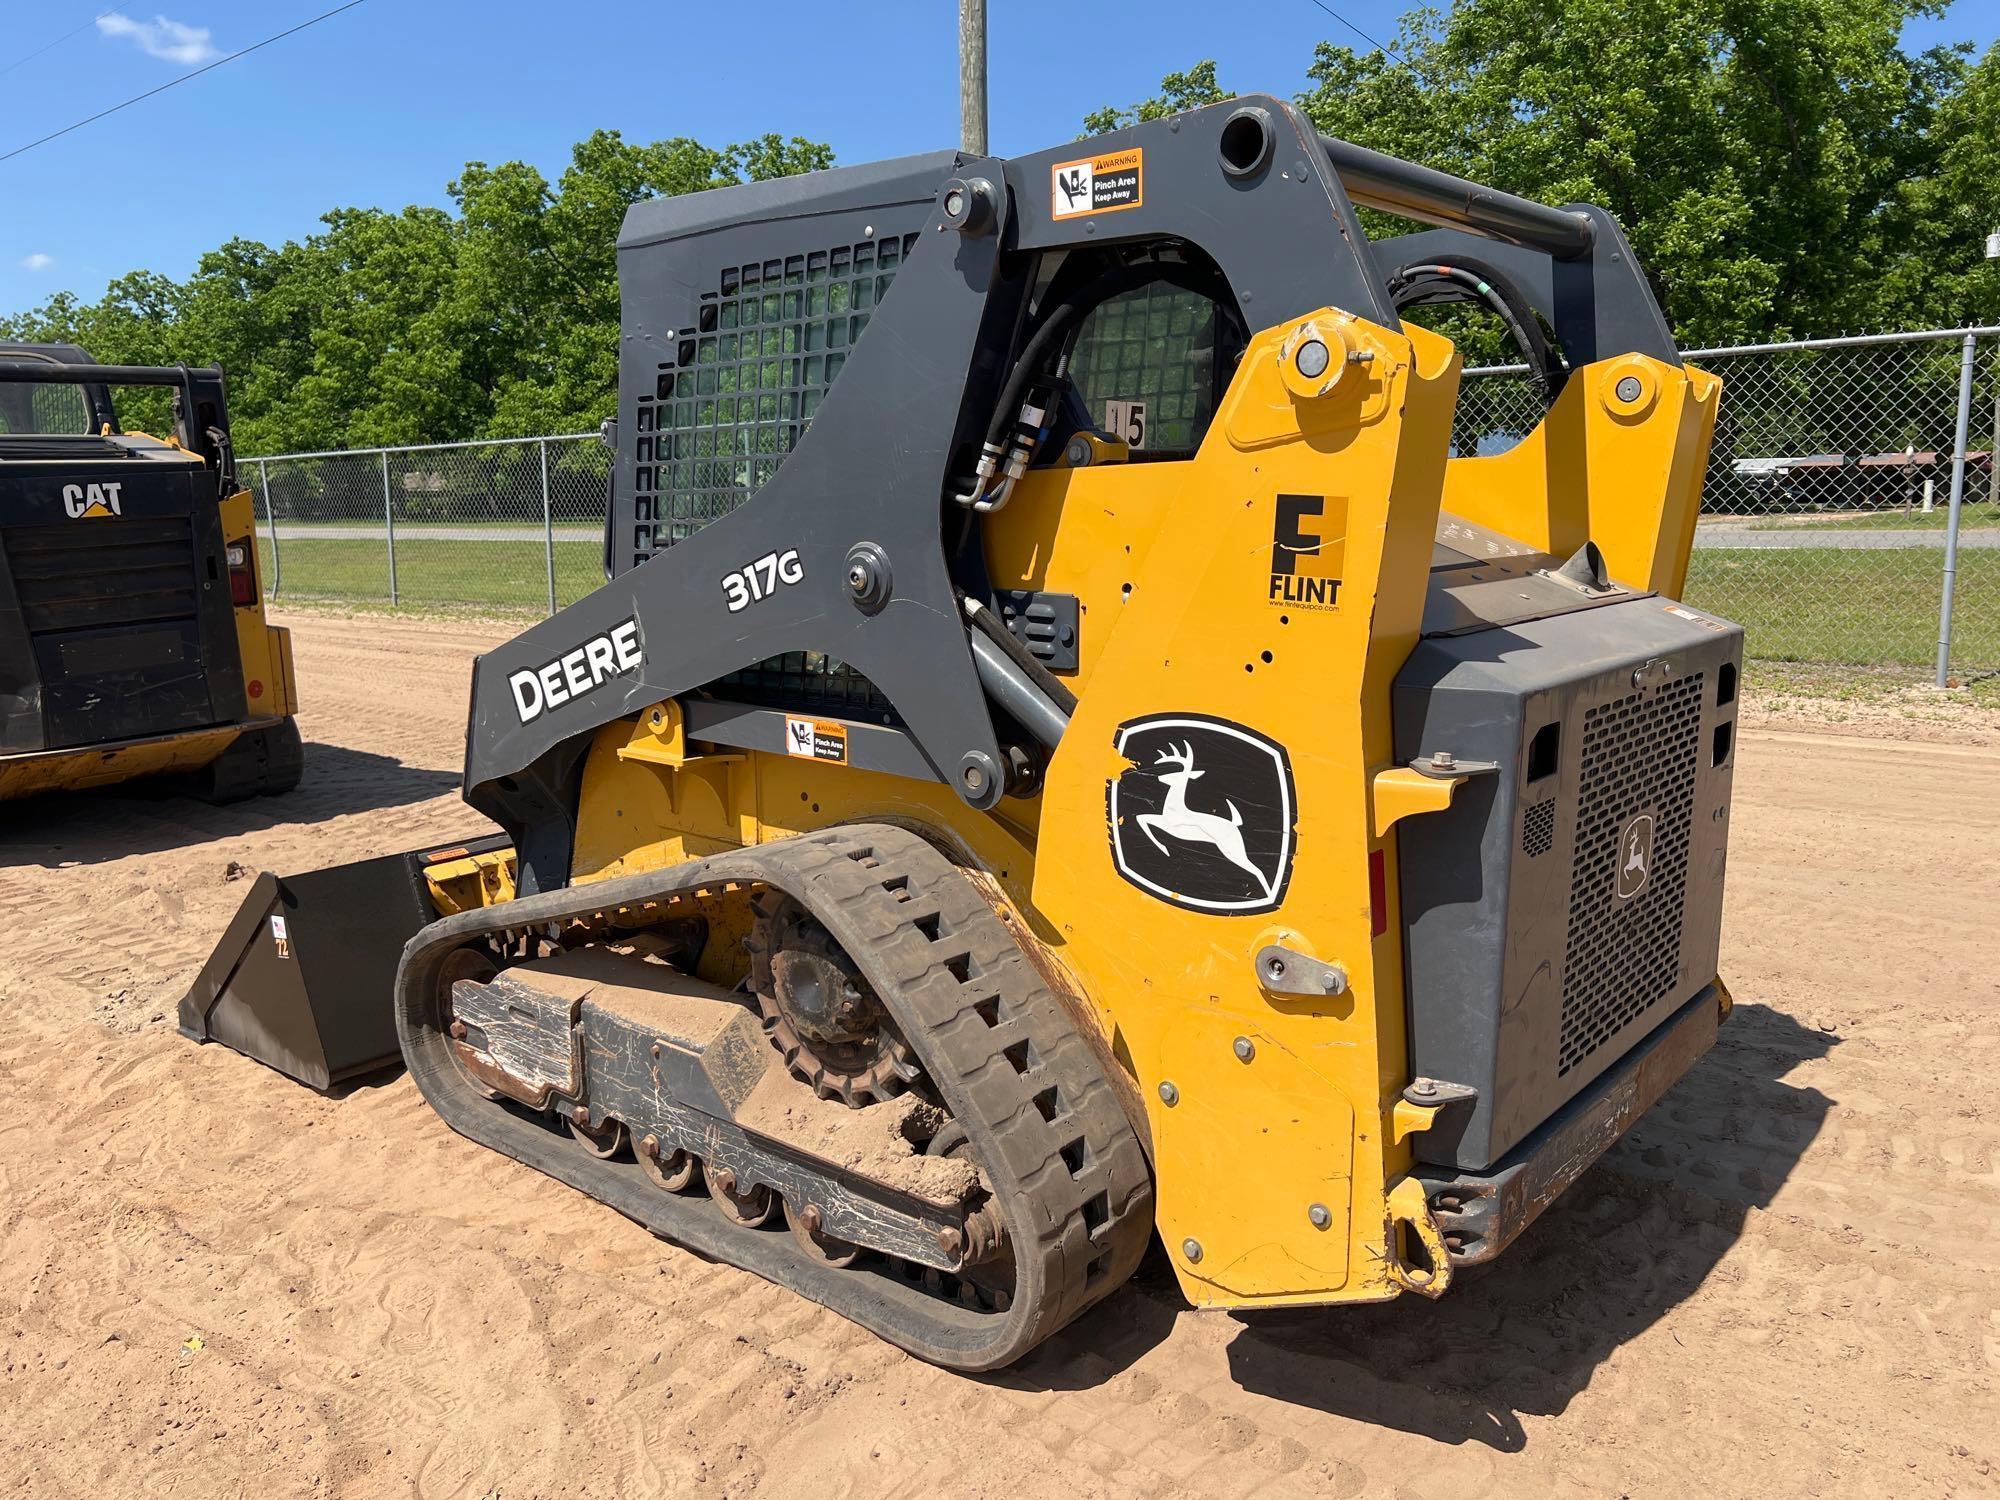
(571, 529)
(1776, 682)
(509, 575)
(1859, 608)
(1849, 609)
(1973, 514)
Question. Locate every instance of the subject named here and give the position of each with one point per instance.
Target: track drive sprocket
(819, 1012)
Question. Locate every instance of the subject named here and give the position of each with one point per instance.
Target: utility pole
(972, 77)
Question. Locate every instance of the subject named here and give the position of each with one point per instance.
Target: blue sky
(382, 105)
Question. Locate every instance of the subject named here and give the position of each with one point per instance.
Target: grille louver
(1640, 755)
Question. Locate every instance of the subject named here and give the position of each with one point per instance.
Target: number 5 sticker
(1126, 420)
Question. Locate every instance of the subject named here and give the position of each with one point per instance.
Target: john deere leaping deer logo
(1183, 824)
(1635, 856)
(1203, 816)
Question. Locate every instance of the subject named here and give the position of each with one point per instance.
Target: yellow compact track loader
(132, 633)
(1066, 753)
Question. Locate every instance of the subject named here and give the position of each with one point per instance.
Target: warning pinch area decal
(816, 739)
(1097, 184)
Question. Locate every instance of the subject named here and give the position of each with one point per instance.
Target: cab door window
(1144, 366)
(43, 410)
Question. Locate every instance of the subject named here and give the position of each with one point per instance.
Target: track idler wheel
(465, 963)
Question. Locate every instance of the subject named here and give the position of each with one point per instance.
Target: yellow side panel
(1085, 532)
(1246, 1151)
(265, 650)
(648, 802)
(1619, 461)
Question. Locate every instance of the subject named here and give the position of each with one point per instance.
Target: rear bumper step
(1481, 1213)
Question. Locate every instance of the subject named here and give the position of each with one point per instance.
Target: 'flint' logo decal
(576, 672)
(1203, 816)
(1308, 548)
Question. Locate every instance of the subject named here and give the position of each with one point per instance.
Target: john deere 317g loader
(1065, 752)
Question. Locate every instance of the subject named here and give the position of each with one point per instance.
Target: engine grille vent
(112, 615)
(1538, 829)
(1640, 756)
(97, 574)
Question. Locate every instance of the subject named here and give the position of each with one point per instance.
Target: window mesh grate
(1154, 344)
(747, 380)
(742, 388)
(1640, 755)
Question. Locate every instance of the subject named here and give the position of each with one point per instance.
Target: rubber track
(1067, 1172)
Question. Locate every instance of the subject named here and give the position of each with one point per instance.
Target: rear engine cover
(1571, 901)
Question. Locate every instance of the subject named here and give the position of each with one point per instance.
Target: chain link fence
(1826, 523)
(1826, 526)
(509, 525)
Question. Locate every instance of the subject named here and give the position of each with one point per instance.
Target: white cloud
(37, 262)
(171, 41)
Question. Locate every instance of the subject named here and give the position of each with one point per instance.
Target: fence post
(271, 530)
(1957, 501)
(548, 527)
(389, 522)
(1993, 447)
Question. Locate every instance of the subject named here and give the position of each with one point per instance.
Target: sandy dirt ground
(214, 1282)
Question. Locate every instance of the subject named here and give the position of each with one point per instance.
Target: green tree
(1178, 91)
(1941, 270)
(498, 317)
(1783, 167)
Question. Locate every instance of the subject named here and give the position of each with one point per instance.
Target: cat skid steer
(132, 633)
(1066, 753)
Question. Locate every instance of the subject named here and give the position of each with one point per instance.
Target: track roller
(676, 1171)
(805, 1224)
(750, 1207)
(605, 1140)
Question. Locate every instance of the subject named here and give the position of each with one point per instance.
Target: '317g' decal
(759, 580)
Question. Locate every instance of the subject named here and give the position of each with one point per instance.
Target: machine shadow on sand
(135, 818)
(1635, 1238)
